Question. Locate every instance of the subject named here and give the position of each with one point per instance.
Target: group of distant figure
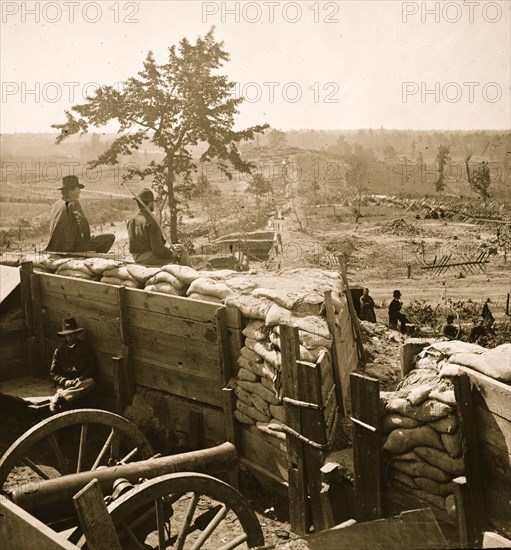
(70, 230)
(399, 321)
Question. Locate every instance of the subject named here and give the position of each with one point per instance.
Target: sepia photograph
(255, 274)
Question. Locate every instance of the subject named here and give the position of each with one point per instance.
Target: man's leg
(101, 243)
(76, 392)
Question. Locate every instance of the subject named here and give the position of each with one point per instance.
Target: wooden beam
(95, 522)
(26, 271)
(41, 369)
(299, 506)
(365, 410)
(337, 364)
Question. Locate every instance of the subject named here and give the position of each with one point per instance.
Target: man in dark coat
(147, 244)
(72, 368)
(449, 330)
(367, 307)
(69, 228)
(395, 314)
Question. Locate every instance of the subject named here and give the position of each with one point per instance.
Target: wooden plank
(26, 271)
(125, 342)
(494, 540)
(89, 290)
(489, 393)
(365, 407)
(178, 383)
(299, 506)
(276, 442)
(235, 343)
(338, 366)
(498, 507)
(19, 529)
(234, 320)
(177, 326)
(38, 323)
(259, 451)
(495, 462)
(62, 301)
(95, 521)
(169, 351)
(176, 306)
(224, 360)
(269, 481)
(473, 510)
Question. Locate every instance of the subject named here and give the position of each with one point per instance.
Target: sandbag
(164, 277)
(418, 394)
(309, 340)
(309, 355)
(446, 397)
(142, 274)
(209, 287)
(446, 425)
(452, 443)
(438, 502)
(100, 265)
(268, 384)
(76, 265)
(495, 363)
(260, 369)
(398, 405)
(242, 285)
(310, 304)
(244, 374)
(402, 440)
(204, 298)
(269, 356)
(434, 487)
(243, 395)
(450, 506)
(252, 412)
(256, 330)
(394, 420)
(284, 299)
(402, 478)
(260, 404)
(278, 315)
(259, 389)
(130, 283)
(439, 458)
(417, 377)
(164, 288)
(250, 355)
(119, 273)
(243, 418)
(432, 410)
(250, 307)
(420, 469)
(410, 455)
(183, 273)
(77, 274)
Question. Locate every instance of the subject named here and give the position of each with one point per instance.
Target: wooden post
(95, 521)
(507, 304)
(313, 427)
(127, 377)
(123, 386)
(299, 506)
(337, 366)
(353, 314)
(26, 271)
(470, 493)
(40, 369)
(365, 410)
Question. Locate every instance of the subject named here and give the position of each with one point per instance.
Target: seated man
(147, 244)
(449, 330)
(72, 368)
(69, 228)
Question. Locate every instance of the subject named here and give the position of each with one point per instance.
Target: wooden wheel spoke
(134, 542)
(129, 456)
(185, 527)
(213, 524)
(58, 453)
(160, 523)
(35, 467)
(81, 448)
(103, 451)
(240, 539)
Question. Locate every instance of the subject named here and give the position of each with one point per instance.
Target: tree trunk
(172, 199)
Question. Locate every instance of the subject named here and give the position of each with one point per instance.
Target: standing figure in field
(449, 330)
(73, 367)
(147, 244)
(395, 314)
(367, 307)
(69, 228)
(487, 315)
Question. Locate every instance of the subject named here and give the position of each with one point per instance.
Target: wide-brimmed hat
(69, 182)
(69, 326)
(146, 195)
(396, 293)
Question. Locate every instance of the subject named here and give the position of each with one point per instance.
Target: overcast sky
(321, 65)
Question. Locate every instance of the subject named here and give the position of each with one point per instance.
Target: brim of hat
(80, 185)
(75, 331)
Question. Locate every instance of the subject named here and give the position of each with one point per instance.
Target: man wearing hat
(69, 228)
(395, 314)
(147, 244)
(72, 368)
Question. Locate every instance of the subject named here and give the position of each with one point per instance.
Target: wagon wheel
(71, 442)
(181, 509)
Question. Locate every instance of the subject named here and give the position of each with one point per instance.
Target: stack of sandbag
(77, 269)
(422, 442)
(120, 276)
(172, 279)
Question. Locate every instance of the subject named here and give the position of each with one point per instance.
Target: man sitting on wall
(69, 228)
(72, 368)
(147, 244)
